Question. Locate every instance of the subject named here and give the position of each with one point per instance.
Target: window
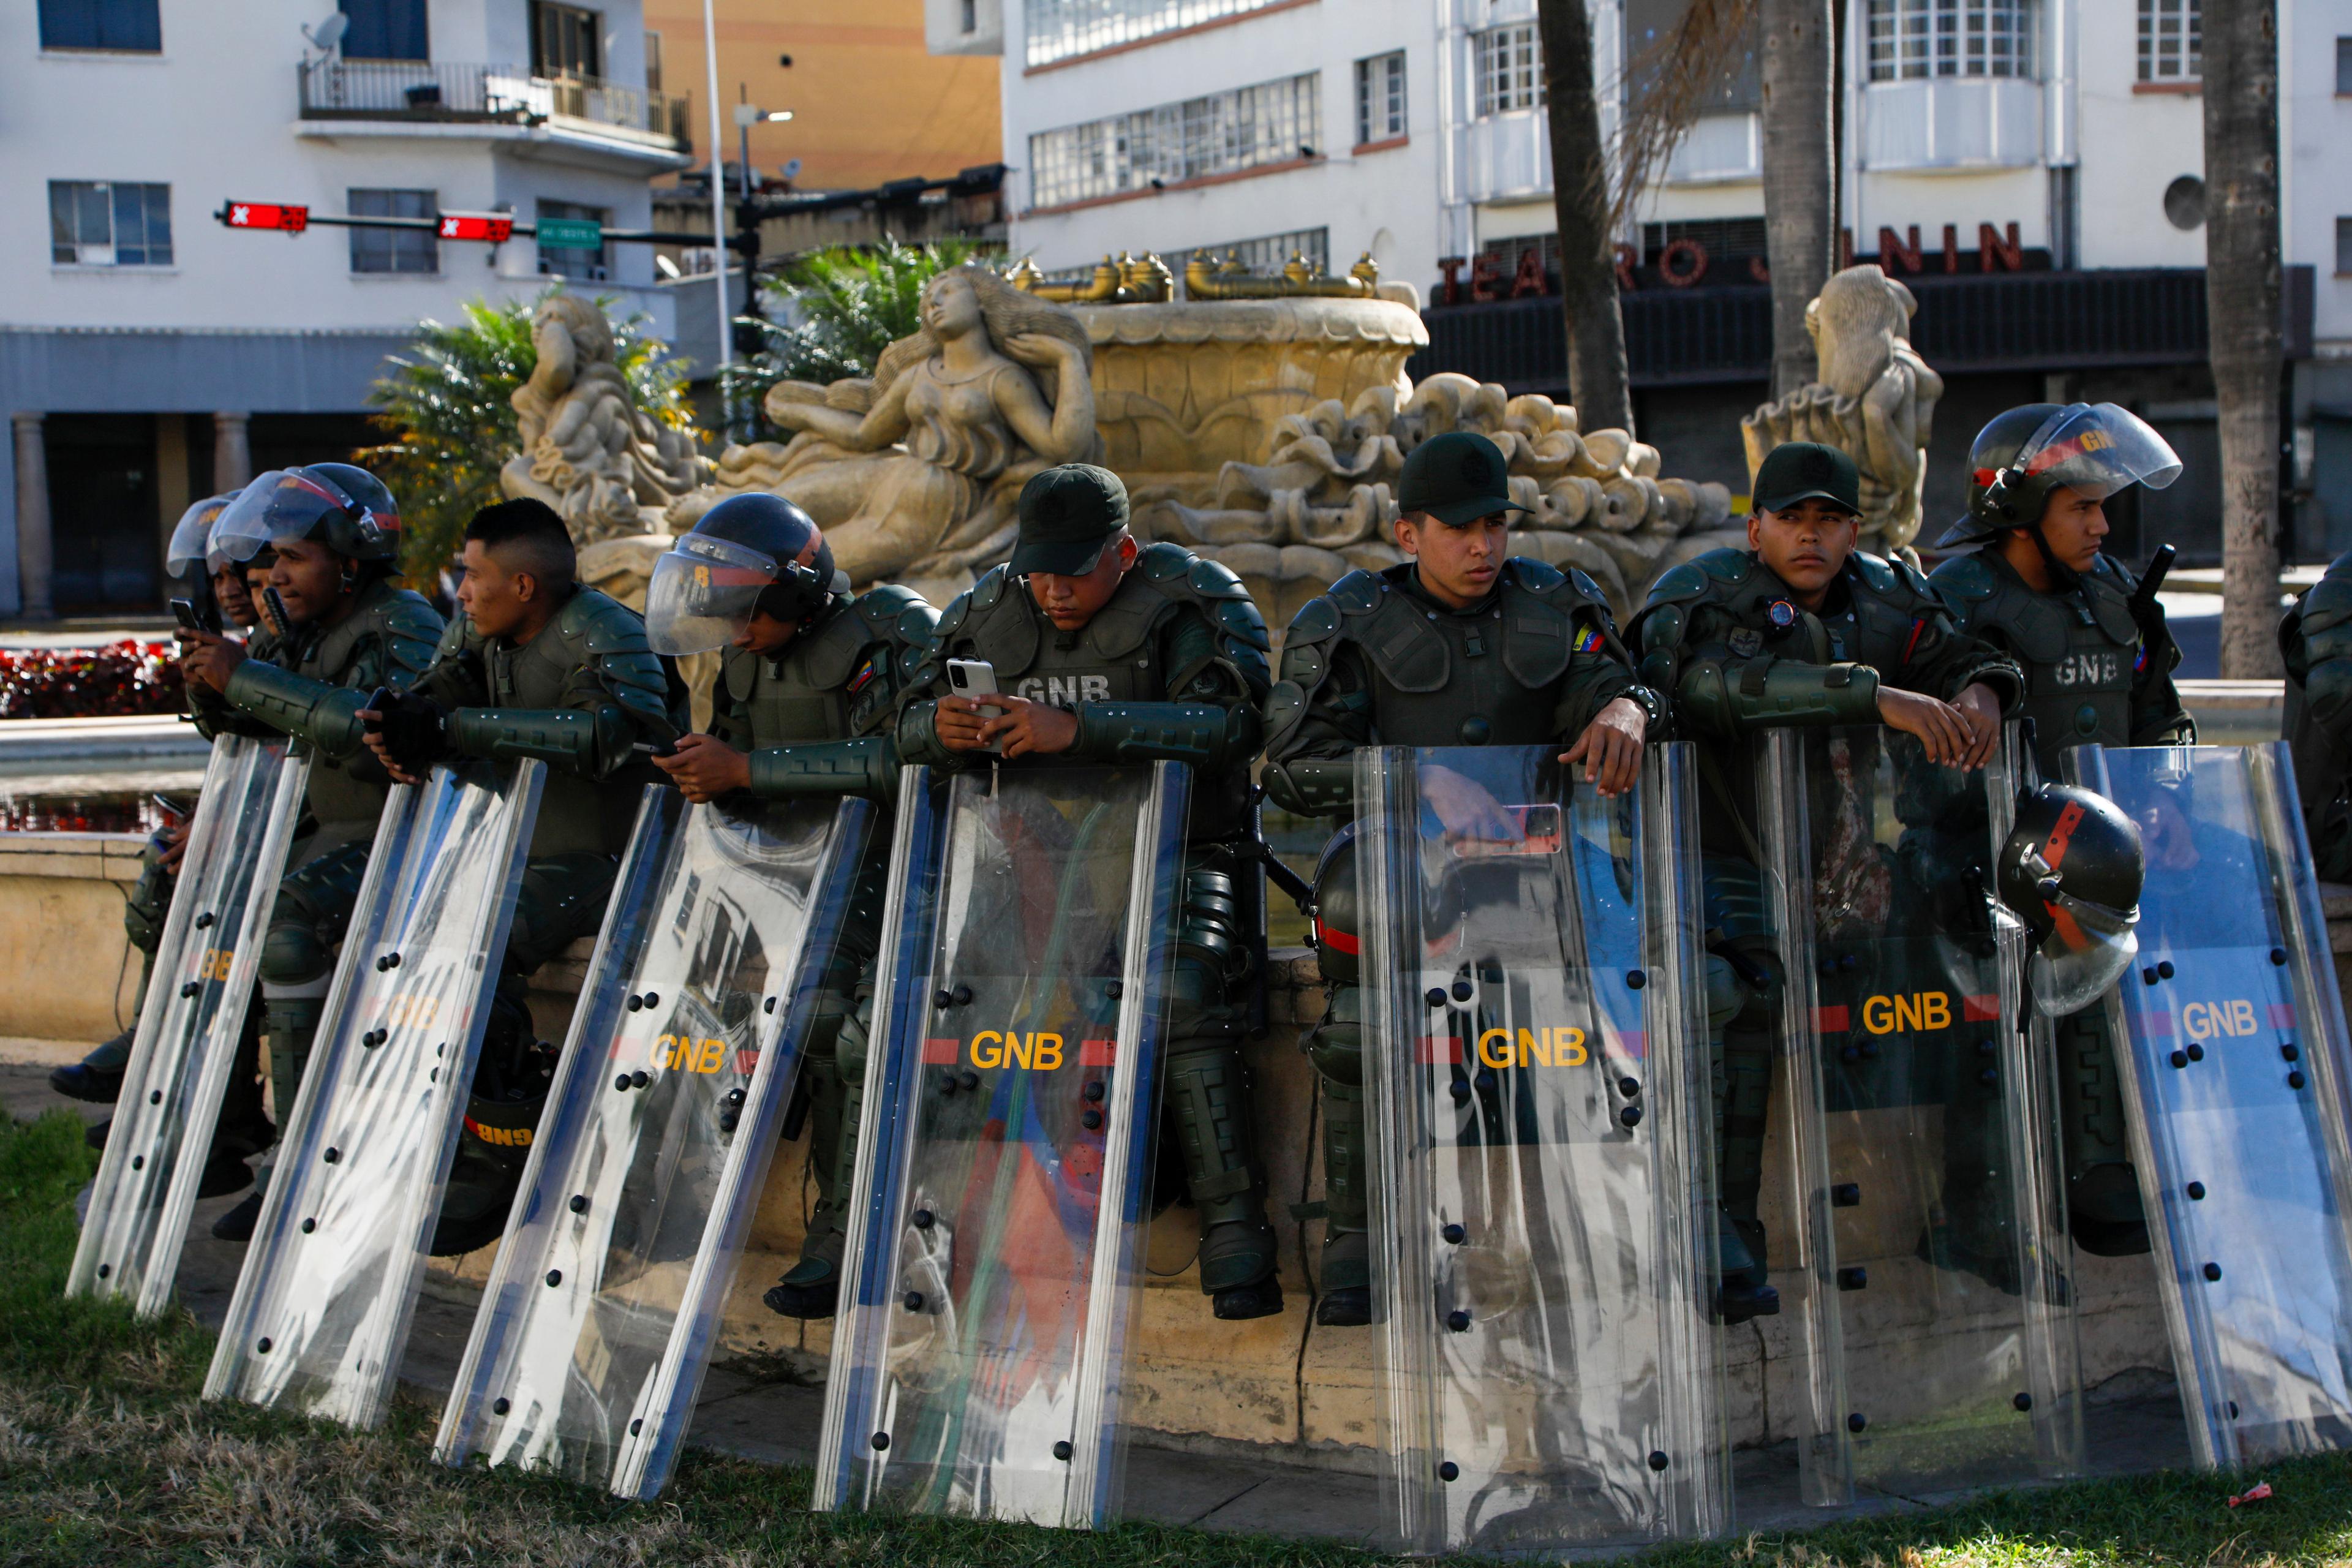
(1265, 254)
(2344, 246)
(384, 30)
(589, 266)
(1380, 98)
(970, 16)
(2343, 66)
(1509, 66)
(1914, 38)
(110, 222)
(1057, 29)
(415, 250)
(1272, 122)
(2171, 40)
(130, 25)
(566, 40)
(652, 62)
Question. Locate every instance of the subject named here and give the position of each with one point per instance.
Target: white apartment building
(2032, 168)
(150, 355)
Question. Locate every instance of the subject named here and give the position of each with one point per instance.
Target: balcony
(1507, 157)
(434, 93)
(1720, 149)
(1951, 123)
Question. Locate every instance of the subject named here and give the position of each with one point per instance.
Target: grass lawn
(107, 1457)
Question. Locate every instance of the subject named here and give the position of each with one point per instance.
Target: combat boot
(98, 1077)
(1208, 1094)
(811, 1289)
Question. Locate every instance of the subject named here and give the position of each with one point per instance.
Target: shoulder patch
(1357, 594)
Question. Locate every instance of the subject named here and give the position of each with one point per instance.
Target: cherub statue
(1875, 400)
(587, 450)
(913, 475)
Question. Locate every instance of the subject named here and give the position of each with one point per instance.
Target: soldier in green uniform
(1800, 628)
(1108, 652)
(1461, 645)
(335, 533)
(2316, 639)
(2098, 664)
(807, 694)
(539, 666)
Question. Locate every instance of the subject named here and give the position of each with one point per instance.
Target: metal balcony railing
(437, 90)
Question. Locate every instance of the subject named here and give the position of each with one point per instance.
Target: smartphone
(184, 611)
(976, 677)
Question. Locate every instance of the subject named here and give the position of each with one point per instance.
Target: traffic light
(283, 216)
(495, 228)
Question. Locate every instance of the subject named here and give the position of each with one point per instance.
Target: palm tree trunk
(2241, 309)
(1597, 377)
(1800, 174)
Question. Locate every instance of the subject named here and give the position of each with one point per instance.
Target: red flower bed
(127, 676)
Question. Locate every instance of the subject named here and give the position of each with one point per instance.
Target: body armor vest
(819, 686)
(344, 806)
(576, 815)
(2079, 650)
(1486, 677)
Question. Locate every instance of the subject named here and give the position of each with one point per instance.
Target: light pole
(747, 115)
(717, 196)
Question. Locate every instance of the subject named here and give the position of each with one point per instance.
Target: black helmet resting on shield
(742, 556)
(2022, 455)
(2072, 870)
(346, 508)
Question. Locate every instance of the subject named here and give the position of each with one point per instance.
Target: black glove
(414, 730)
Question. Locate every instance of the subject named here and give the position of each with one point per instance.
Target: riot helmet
(2072, 870)
(2024, 454)
(190, 558)
(740, 557)
(346, 508)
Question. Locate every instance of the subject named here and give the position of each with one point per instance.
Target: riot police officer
(539, 666)
(2098, 664)
(1460, 646)
(1107, 650)
(807, 693)
(335, 533)
(1799, 628)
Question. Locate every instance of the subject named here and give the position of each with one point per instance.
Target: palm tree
(1799, 176)
(2242, 309)
(1597, 377)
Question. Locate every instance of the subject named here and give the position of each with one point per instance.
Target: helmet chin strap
(2063, 575)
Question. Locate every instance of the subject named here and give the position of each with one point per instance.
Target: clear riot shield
(993, 1248)
(321, 1310)
(2235, 1087)
(1941, 1348)
(1542, 1171)
(597, 1325)
(185, 1045)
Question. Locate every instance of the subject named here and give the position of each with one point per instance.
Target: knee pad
(1338, 933)
(1335, 1043)
(293, 957)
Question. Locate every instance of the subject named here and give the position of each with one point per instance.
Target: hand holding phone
(971, 678)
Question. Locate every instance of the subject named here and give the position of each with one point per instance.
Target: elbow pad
(300, 706)
(1209, 735)
(1763, 692)
(869, 767)
(574, 739)
(1313, 786)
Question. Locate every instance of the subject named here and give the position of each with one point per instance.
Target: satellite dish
(328, 32)
(792, 168)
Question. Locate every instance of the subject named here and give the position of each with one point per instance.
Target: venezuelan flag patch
(1589, 638)
(865, 674)
(2140, 660)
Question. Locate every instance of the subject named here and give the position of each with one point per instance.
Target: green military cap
(1067, 514)
(1458, 478)
(1798, 471)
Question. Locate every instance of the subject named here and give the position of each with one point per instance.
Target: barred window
(1271, 122)
(1380, 98)
(1914, 38)
(2171, 40)
(110, 222)
(1058, 29)
(1509, 66)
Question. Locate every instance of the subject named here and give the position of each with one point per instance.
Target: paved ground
(778, 1422)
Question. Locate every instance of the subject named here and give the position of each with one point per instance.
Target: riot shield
(186, 1042)
(2235, 1090)
(1941, 1349)
(994, 1237)
(321, 1309)
(597, 1320)
(1541, 1166)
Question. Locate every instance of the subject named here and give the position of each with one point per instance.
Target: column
(33, 545)
(232, 458)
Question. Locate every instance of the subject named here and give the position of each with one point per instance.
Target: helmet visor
(188, 555)
(2087, 949)
(2097, 448)
(702, 594)
(279, 505)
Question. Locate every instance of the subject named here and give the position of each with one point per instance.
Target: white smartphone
(976, 677)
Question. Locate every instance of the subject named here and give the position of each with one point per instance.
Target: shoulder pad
(457, 636)
(1357, 594)
(408, 614)
(952, 619)
(985, 592)
(1317, 619)
(1726, 565)
(1965, 578)
(2329, 604)
(1165, 563)
(607, 626)
(1691, 580)
(1534, 576)
(899, 615)
(2106, 568)
(1214, 580)
(1880, 572)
